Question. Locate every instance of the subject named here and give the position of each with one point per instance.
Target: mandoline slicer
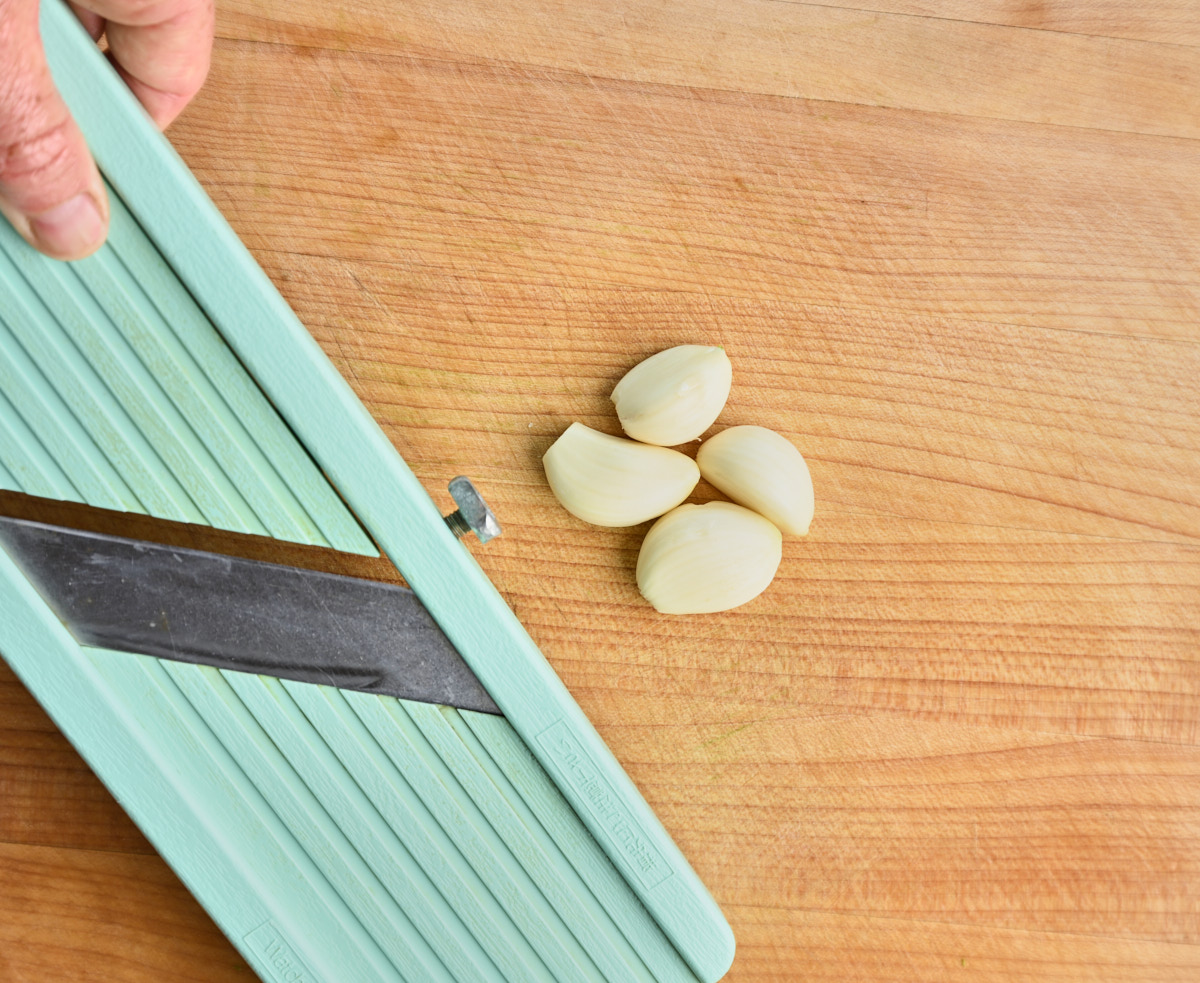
(335, 837)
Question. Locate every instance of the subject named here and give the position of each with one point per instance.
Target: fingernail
(71, 230)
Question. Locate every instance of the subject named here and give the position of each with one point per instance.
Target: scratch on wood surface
(727, 734)
(363, 290)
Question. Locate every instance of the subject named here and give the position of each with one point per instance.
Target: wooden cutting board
(953, 251)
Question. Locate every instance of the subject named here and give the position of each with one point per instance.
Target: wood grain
(95, 915)
(1168, 21)
(49, 796)
(763, 201)
(952, 250)
(838, 53)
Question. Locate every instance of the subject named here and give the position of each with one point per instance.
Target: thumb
(50, 189)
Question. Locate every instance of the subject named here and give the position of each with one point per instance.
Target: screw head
(474, 514)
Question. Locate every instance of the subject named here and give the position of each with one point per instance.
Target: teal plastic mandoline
(335, 837)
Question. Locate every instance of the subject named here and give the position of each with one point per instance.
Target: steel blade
(244, 615)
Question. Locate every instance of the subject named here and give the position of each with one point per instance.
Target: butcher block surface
(952, 249)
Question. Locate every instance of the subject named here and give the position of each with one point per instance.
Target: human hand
(50, 188)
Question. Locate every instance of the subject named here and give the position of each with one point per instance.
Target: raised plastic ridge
(362, 464)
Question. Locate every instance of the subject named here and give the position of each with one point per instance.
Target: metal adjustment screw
(473, 514)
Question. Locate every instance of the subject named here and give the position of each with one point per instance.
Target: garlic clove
(762, 470)
(674, 396)
(699, 559)
(611, 481)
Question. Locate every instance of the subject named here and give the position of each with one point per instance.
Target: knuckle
(25, 155)
(38, 166)
(139, 13)
(149, 13)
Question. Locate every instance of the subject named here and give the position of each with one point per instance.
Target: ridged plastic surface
(362, 837)
(117, 391)
(414, 815)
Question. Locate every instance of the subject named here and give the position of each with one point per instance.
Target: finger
(50, 189)
(161, 48)
(92, 23)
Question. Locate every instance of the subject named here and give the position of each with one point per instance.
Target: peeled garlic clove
(763, 471)
(703, 558)
(611, 481)
(674, 396)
